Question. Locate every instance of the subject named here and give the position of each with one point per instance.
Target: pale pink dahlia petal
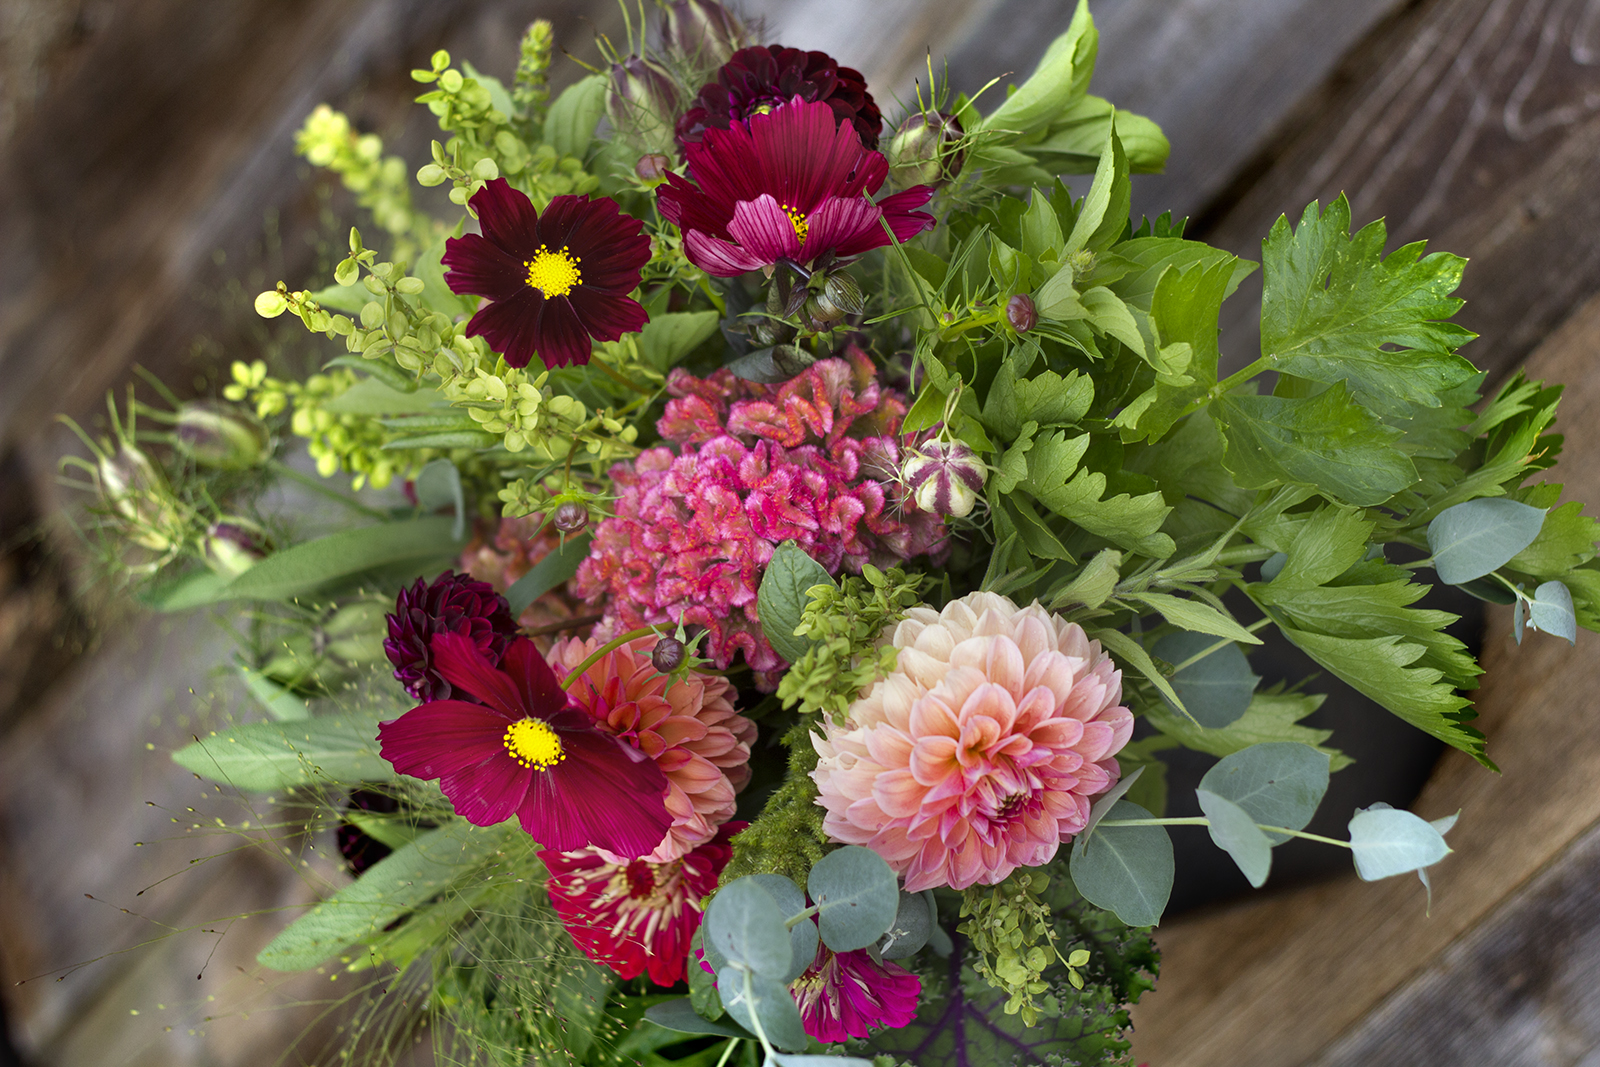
(981, 752)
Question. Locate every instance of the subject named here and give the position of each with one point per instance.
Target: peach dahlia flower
(979, 754)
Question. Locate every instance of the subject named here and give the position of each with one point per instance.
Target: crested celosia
(637, 916)
(755, 465)
(849, 994)
(688, 727)
(979, 754)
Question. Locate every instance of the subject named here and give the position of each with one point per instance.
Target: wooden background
(147, 188)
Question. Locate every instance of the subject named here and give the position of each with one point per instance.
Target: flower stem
(610, 646)
(733, 1043)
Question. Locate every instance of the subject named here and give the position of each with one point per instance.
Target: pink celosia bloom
(755, 465)
(689, 728)
(979, 754)
(636, 916)
(845, 994)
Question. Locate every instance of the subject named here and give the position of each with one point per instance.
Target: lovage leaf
(1273, 715)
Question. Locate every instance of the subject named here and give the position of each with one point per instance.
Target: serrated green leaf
(1108, 314)
(1152, 256)
(666, 339)
(1184, 310)
(1196, 616)
(304, 568)
(1046, 399)
(264, 756)
(1054, 480)
(1273, 715)
(1320, 547)
(1326, 442)
(1235, 832)
(1335, 310)
(573, 116)
(1127, 870)
(1105, 207)
(1566, 540)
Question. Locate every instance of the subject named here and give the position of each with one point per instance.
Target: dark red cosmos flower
(527, 750)
(761, 79)
(638, 916)
(556, 280)
(785, 185)
(451, 603)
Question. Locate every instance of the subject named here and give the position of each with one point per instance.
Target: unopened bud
(134, 487)
(668, 655)
(842, 292)
(703, 31)
(653, 167)
(1021, 313)
(570, 517)
(643, 103)
(944, 479)
(923, 150)
(234, 545)
(220, 435)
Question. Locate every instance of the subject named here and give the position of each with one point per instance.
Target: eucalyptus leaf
(1217, 688)
(782, 598)
(750, 997)
(912, 925)
(1551, 612)
(1280, 783)
(679, 1015)
(1125, 869)
(746, 926)
(555, 569)
(1108, 800)
(784, 1059)
(1235, 831)
(803, 936)
(263, 756)
(1479, 537)
(1388, 841)
(857, 897)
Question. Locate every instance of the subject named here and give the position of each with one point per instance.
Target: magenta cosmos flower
(527, 750)
(845, 994)
(980, 752)
(789, 184)
(557, 281)
(637, 917)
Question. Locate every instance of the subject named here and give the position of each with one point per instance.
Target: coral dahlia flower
(785, 185)
(845, 994)
(637, 917)
(688, 727)
(527, 750)
(979, 754)
(763, 78)
(557, 281)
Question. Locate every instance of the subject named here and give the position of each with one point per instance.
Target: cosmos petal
(441, 737)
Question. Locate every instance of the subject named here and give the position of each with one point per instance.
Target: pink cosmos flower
(979, 754)
(755, 465)
(637, 916)
(790, 184)
(845, 994)
(689, 728)
(527, 750)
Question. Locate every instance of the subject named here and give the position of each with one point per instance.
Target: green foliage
(290, 753)
(1012, 934)
(784, 595)
(1125, 869)
(843, 625)
(1273, 715)
(380, 183)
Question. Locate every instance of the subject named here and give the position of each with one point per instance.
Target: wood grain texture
(1273, 981)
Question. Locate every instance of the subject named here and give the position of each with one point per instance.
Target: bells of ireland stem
(924, 150)
(215, 434)
(944, 478)
(135, 489)
(642, 103)
(703, 32)
(233, 545)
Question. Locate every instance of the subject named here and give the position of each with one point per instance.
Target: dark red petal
(905, 223)
(560, 336)
(464, 666)
(542, 694)
(598, 795)
(687, 208)
(716, 256)
(764, 230)
(511, 326)
(803, 157)
(488, 793)
(607, 316)
(507, 218)
(726, 167)
(838, 220)
(442, 737)
(474, 266)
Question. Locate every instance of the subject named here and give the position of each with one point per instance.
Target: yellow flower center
(797, 220)
(553, 273)
(532, 743)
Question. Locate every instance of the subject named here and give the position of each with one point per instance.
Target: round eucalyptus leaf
(680, 1015)
(1279, 783)
(747, 996)
(1236, 833)
(1388, 841)
(791, 900)
(1551, 611)
(802, 935)
(1125, 869)
(803, 940)
(745, 926)
(857, 896)
(1481, 536)
(1217, 688)
(912, 925)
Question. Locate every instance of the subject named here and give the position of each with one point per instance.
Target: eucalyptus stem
(733, 1043)
(279, 467)
(610, 646)
(1302, 833)
(1201, 820)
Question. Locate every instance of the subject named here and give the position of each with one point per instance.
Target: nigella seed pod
(944, 478)
(653, 167)
(643, 103)
(234, 545)
(668, 655)
(702, 31)
(570, 517)
(220, 435)
(923, 150)
(134, 487)
(1021, 313)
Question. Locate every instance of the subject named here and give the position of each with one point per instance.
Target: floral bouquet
(815, 529)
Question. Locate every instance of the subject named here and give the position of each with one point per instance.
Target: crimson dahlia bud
(944, 479)
(234, 545)
(653, 167)
(452, 603)
(923, 150)
(570, 518)
(702, 31)
(1021, 313)
(668, 655)
(221, 435)
(643, 103)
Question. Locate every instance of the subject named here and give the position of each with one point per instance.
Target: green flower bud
(703, 31)
(923, 150)
(234, 545)
(220, 435)
(643, 103)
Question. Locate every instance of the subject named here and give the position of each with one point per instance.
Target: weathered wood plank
(1271, 981)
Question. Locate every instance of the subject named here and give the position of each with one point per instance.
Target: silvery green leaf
(746, 926)
(748, 997)
(1125, 869)
(1479, 537)
(1551, 611)
(1235, 832)
(912, 925)
(1107, 800)
(803, 934)
(680, 1015)
(1388, 841)
(1216, 689)
(857, 896)
(1280, 783)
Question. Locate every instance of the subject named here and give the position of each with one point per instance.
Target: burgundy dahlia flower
(785, 185)
(526, 750)
(846, 994)
(637, 917)
(557, 281)
(455, 604)
(757, 80)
